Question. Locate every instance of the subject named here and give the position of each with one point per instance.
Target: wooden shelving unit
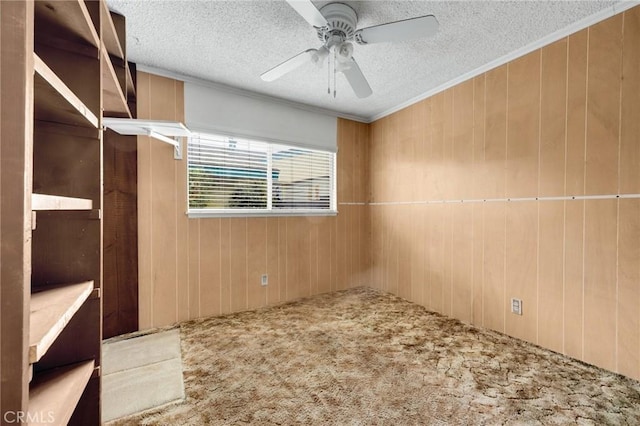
(63, 68)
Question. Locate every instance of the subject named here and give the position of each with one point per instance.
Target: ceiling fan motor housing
(342, 21)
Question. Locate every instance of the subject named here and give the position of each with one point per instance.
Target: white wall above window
(214, 110)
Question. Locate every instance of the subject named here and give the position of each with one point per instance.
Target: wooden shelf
(114, 101)
(58, 391)
(54, 101)
(66, 17)
(110, 35)
(56, 202)
(51, 310)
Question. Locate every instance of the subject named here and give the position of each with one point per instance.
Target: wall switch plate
(516, 306)
(264, 280)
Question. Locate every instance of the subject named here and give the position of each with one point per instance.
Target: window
(229, 176)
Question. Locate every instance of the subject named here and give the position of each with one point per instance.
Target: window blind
(239, 176)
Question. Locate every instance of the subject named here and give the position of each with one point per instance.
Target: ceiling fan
(336, 25)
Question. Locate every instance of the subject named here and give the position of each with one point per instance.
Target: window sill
(199, 214)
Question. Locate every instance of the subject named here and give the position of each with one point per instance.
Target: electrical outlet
(516, 306)
(264, 280)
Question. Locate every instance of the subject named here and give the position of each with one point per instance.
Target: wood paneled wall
(190, 268)
(560, 121)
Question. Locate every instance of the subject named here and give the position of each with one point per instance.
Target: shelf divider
(54, 394)
(51, 310)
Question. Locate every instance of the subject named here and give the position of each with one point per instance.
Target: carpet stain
(363, 357)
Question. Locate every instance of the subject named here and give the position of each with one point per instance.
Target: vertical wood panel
(324, 255)
(420, 124)
(405, 246)
(427, 225)
(434, 167)
(404, 159)
(297, 249)
(573, 278)
(194, 268)
(162, 101)
(225, 266)
(495, 133)
(553, 119)
(145, 261)
(352, 248)
(273, 252)
(341, 248)
(210, 256)
(630, 125)
(391, 259)
(523, 126)
(341, 170)
(603, 106)
(600, 283)
(436, 256)
(182, 221)
(463, 132)
(257, 262)
(447, 140)
(417, 253)
(301, 252)
(447, 262)
(478, 192)
(375, 246)
(551, 275)
(313, 256)
(494, 267)
(374, 161)
(462, 262)
(521, 269)
(628, 314)
(478, 137)
(478, 263)
(364, 270)
(576, 112)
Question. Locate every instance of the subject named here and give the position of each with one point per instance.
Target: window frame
(270, 211)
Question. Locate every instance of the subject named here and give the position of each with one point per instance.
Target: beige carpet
(361, 357)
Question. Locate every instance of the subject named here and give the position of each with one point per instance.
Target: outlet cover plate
(516, 306)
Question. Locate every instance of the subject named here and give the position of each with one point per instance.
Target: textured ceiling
(233, 42)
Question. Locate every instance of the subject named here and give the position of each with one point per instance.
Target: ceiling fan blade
(423, 26)
(309, 12)
(356, 79)
(289, 65)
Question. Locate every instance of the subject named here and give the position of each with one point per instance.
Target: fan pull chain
(329, 75)
(334, 72)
